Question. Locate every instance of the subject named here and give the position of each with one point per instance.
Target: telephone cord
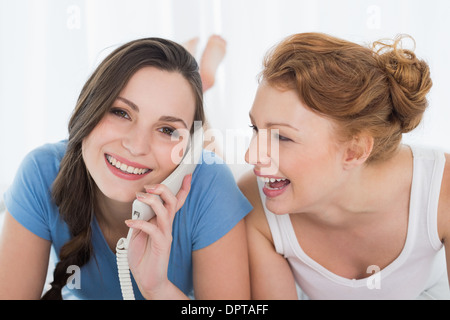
(124, 269)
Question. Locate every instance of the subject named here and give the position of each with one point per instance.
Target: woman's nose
(263, 152)
(137, 141)
(257, 152)
(253, 157)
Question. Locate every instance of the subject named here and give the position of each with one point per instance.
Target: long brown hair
(73, 188)
(379, 90)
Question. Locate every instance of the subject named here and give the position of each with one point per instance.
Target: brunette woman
(75, 196)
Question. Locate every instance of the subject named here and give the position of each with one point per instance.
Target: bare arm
(444, 212)
(23, 261)
(221, 269)
(270, 274)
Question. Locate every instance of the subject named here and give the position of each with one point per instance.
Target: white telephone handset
(142, 211)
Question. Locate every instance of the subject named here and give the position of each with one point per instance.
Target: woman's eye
(167, 130)
(120, 113)
(281, 138)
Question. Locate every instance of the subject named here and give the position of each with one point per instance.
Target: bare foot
(191, 46)
(212, 56)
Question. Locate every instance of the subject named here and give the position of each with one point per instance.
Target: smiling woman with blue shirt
(75, 197)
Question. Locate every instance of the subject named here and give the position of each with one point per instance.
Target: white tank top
(420, 266)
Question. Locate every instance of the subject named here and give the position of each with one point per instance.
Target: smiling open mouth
(125, 168)
(275, 184)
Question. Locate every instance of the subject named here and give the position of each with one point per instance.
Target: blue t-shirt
(213, 207)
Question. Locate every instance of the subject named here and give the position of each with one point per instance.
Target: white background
(48, 48)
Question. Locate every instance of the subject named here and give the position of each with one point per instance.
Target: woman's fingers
(171, 202)
(140, 225)
(164, 203)
(163, 217)
(148, 237)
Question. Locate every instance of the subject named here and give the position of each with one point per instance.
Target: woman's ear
(358, 150)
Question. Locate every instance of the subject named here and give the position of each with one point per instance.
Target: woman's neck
(111, 216)
(369, 192)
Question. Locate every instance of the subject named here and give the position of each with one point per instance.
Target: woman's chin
(121, 197)
(277, 207)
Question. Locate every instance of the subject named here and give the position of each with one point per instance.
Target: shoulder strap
(429, 165)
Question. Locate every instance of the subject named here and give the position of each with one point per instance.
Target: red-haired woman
(344, 209)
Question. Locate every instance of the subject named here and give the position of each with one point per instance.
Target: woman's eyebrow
(131, 104)
(273, 124)
(280, 124)
(173, 119)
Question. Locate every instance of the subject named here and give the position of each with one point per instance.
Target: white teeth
(122, 166)
(267, 180)
(267, 183)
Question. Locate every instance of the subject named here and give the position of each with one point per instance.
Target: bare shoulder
(270, 273)
(249, 187)
(256, 218)
(444, 202)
